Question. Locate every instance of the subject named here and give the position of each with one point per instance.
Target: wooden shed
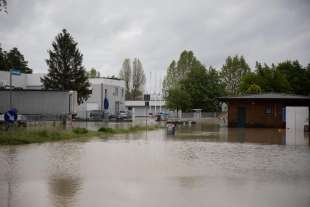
(261, 110)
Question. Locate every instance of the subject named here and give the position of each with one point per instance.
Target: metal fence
(193, 115)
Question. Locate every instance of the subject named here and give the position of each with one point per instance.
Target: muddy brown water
(203, 165)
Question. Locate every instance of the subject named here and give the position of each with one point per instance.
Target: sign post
(13, 71)
(147, 98)
(10, 117)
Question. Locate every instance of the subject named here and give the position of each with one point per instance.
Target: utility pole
(10, 89)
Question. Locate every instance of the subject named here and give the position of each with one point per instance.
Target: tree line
(189, 84)
(134, 77)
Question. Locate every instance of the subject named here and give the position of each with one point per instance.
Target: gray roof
(267, 96)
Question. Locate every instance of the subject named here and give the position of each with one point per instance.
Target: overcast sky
(157, 31)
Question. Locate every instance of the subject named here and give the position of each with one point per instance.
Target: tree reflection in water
(64, 169)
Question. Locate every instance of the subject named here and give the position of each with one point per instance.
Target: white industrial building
(30, 87)
(140, 110)
(112, 89)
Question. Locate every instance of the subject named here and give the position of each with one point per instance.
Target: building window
(116, 91)
(122, 92)
(268, 109)
(105, 92)
(283, 114)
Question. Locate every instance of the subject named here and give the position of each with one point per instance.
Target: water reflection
(218, 133)
(64, 182)
(8, 162)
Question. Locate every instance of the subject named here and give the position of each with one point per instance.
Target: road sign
(10, 116)
(147, 97)
(15, 71)
(106, 103)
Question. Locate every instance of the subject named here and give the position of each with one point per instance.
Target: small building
(265, 110)
(49, 103)
(111, 89)
(140, 110)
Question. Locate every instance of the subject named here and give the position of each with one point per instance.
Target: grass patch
(80, 131)
(126, 130)
(31, 135)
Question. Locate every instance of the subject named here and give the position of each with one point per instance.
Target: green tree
(254, 89)
(125, 74)
(269, 79)
(232, 72)
(93, 73)
(200, 86)
(16, 60)
(296, 76)
(66, 71)
(13, 59)
(138, 80)
(3, 60)
(178, 99)
(204, 87)
(177, 71)
(3, 6)
(171, 78)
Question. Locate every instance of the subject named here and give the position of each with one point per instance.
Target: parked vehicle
(96, 115)
(123, 115)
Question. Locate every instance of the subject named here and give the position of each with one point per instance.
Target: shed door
(241, 117)
(297, 117)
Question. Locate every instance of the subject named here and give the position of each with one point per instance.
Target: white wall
(297, 117)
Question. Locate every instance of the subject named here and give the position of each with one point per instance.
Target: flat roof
(142, 103)
(39, 90)
(266, 96)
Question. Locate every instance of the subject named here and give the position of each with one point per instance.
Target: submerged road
(201, 166)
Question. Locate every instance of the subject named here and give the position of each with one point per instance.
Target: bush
(43, 133)
(80, 131)
(105, 129)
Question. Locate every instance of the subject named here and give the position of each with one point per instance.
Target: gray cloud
(157, 31)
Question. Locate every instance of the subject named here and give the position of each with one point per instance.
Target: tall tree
(138, 79)
(269, 79)
(93, 73)
(171, 78)
(3, 60)
(13, 59)
(232, 71)
(16, 60)
(177, 71)
(3, 6)
(178, 99)
(190, 79)
(125, 74)
(296, 76)
(66, 71)
(204, 87)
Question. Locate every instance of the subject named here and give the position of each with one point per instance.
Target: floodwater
(203, 165)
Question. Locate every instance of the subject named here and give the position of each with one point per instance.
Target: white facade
(25, 81)
(112, 89)
(140, 109)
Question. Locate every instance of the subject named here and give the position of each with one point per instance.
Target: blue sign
(10, 116)
(15, 71)
(106, 103)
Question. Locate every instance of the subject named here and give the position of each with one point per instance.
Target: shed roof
(266, 96)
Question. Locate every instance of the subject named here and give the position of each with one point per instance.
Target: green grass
(18, 136)
(126, 130)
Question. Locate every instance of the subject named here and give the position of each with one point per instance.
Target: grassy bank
(27, 136)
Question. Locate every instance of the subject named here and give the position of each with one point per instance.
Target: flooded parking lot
(203, 165)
